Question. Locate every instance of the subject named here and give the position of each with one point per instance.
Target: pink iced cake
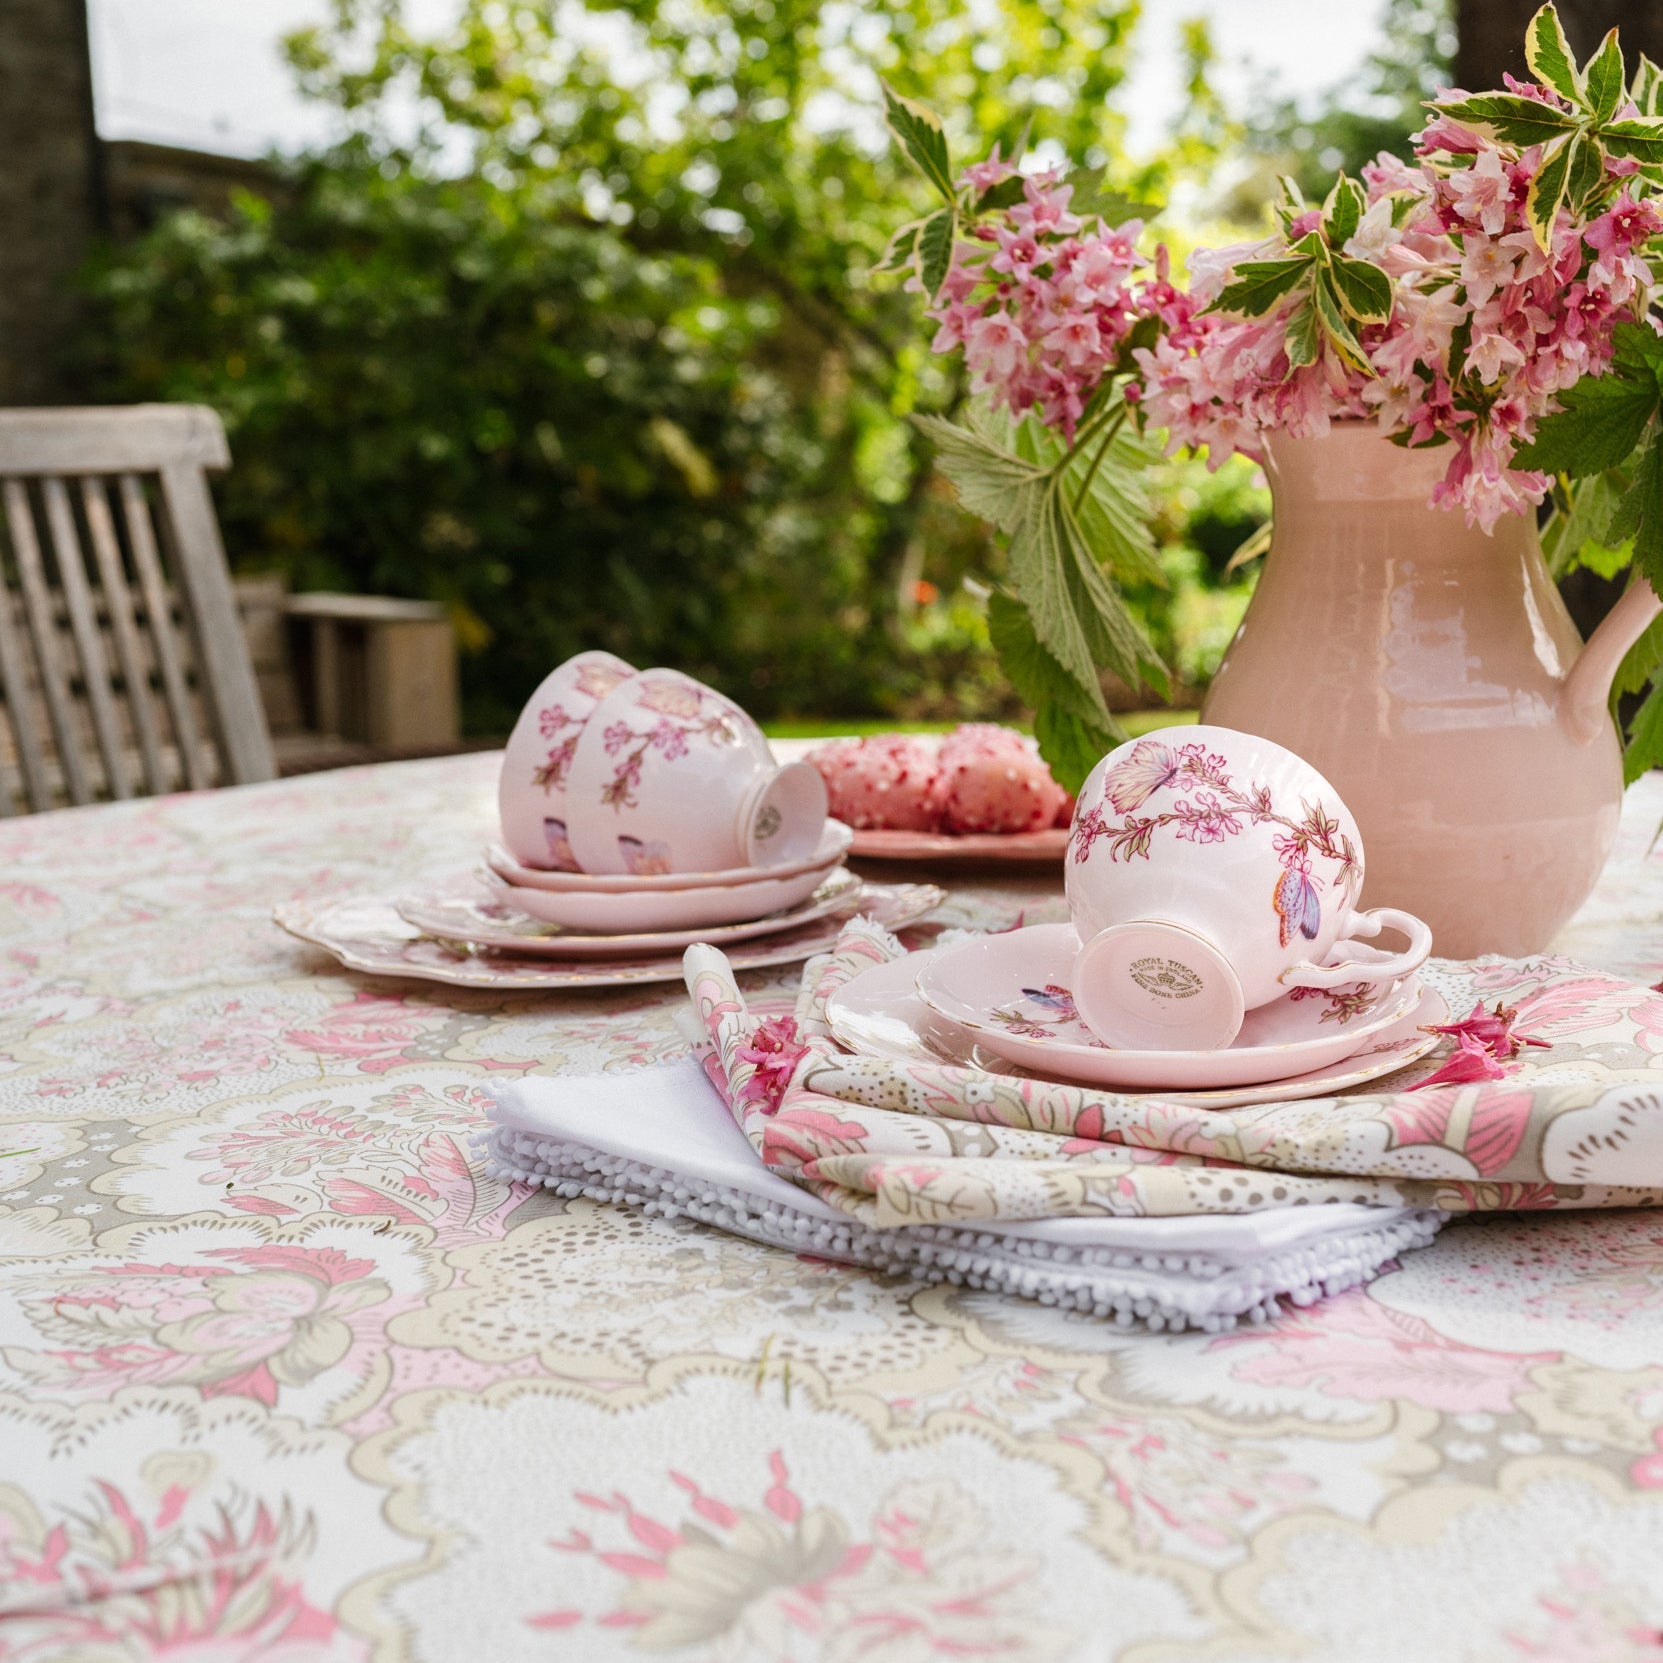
(885, 783)
(982, 778)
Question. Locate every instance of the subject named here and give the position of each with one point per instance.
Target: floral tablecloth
(284, 1377)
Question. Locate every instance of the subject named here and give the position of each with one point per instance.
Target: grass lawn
(828, 727)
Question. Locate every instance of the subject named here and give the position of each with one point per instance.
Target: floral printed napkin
(1577, 1122)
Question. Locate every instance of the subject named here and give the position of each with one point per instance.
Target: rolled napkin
(1577, 1122)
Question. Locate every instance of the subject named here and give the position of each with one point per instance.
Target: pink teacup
(531, 789)
(670, 776)
(1208, 872)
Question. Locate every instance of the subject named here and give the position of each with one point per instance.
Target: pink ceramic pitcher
(1433, 674)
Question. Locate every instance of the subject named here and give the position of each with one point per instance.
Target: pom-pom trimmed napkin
(1053, 1191)
(663, 1139)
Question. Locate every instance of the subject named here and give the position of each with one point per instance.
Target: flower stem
(1114, 425)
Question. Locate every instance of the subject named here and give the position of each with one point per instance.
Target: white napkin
(662, 1139)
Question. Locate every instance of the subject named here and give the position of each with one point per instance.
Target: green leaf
(1644, 750)
(1072, 746)
(935, 248)
(1647, 87)
(1114, 517)
(1039, 561)
(1644, 504)
(1566, 536)
(1006, 194)
(1342, 211)
(1640, 138)
(1547, 190)
(990, 482)
(1586, 173)
(1549, 55)
(902, 249)
(1304, 340)
(1603, 75)
(1511, 116)
(1638, 350)
(1258, 285)
(1337, 330)
(1039, 680)
(1364, 290)
(1116, 640)
(922, 136)
(1598, 426)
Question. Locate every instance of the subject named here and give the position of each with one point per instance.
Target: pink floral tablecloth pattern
(284, 1377)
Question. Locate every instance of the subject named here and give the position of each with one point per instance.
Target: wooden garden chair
(123, 666)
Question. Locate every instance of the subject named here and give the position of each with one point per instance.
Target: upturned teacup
(670, 776)
(531, 789)
(1209, 872)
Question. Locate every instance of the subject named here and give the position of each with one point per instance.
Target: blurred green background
(576, 332)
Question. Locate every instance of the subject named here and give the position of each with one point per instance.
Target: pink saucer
(1039, 848)
(611, 912)
(488, 916)
(834, 844)
(366, 934)
(878, 1013)
(1011, 991)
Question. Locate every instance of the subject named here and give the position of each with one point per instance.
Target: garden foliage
(577, 332)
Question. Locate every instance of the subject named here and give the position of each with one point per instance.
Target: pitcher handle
(1392, 967)
(1585, 701)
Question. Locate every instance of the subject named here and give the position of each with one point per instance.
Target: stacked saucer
(1002, 1003)
(589, 915)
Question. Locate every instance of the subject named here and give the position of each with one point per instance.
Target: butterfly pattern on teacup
(559, 844)
(1298, 906)
(645, 860)
(1211, 815)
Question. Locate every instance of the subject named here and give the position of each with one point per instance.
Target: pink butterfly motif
(644, 859)
(1298, 908)
(1055, 999)
(1134, 780)
(561, 857)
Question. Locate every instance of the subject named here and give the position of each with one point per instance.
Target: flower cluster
(1486, 325)
(1483, 1042)
(1042, 300)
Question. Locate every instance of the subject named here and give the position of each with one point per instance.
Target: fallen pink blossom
(1492, 1029)
(1469, 1062)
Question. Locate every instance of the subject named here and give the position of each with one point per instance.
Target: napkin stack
(663, 1139)
(1127, 1207)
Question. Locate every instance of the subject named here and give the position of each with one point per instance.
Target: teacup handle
(1388, 968)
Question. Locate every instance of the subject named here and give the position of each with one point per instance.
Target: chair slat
(20, 707)
(118, 602)
(89, 644)
(43, 629)
(158, 608)
(228, 678)
(120, 639)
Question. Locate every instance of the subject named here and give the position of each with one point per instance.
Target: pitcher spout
(1585, 702)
